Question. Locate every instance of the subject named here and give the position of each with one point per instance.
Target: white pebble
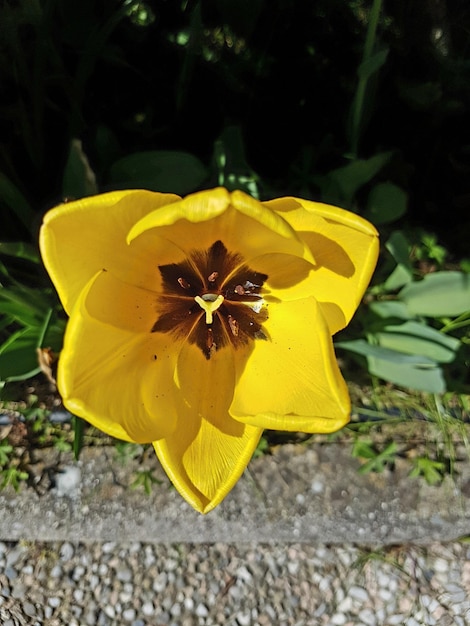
(368, 617)
(201, 610)
(385, 595)
(128, 615)
(358, 593)
(338, 619)
(68, 481)
(441, 565)
(243, 574)
(66, 551)
(148, 608)
(244, 619)
(175, 610)
(316, 486)
(345, 605)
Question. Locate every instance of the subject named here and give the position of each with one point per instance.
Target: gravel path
(137, 584)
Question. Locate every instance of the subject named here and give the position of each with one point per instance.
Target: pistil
(209, 303)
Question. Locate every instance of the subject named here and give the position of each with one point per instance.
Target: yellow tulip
(196, 323)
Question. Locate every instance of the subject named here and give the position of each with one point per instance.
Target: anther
(213, 277)
(183, 283)
(240, 290)
(210, 338)
(234, 325)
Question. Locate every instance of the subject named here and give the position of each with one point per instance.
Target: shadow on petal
(329, 254)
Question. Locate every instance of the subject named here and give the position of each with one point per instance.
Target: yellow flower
(196, 323)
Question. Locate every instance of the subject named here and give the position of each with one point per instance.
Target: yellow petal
(125, 306)
(345, 247)
(119, 380)
(243, 224)
(80, 238)
(208, 451)
(291, 381)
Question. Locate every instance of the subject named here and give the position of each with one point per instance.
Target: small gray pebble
(29, 609)
(11, 573)
(124, 574)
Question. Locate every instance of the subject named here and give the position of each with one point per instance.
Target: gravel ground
(111, 584)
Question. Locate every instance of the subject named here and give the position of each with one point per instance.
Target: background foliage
(363, 104)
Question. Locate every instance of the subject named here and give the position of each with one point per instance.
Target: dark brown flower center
(213, 298)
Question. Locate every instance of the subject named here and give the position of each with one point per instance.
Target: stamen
(183, 283)
(213, 277)
(239, 289)
(209, 303)
(234, 325)
(210, 338)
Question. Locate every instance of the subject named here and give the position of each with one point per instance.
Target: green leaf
(362, 347)
(18, 357)
(386, 203)
(78, 430)
(20, 250)
(12, 197)
(416, 338)
(390, 309)
(372, 64)
(79, 179)
(5, 452)
(233, 171)
(12, 476)
(407, 370)
(377, 461)
(399, 248)
(411, 376)
(432, 471)
(27, 306)
(344, 182)
(438, 295)
(164, 171)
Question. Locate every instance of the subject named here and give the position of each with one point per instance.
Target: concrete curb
(299, 494)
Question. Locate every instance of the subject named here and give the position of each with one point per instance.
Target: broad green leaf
(390, 309)
(399, 248)
(164, 170)
(409, 375)
(347, 180)
(415, 338)
(407, 370)
(386, 203)
(438, 295)
(79, 179)
(400, 276)
(361, 346)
